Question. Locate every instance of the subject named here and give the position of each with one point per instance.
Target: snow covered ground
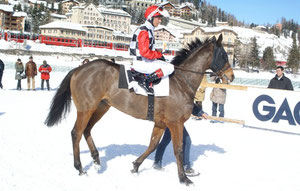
(228, 156)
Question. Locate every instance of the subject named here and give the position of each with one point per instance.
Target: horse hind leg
(79, 127)
(155, 138)
(97, 115)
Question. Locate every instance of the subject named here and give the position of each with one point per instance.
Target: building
(63, 29)
(85, 15)
(116, 19)
(67, 5)
(185, 23)
(162, 34)
(120, 4)
(229, 38)
(183, 10)
(52, 5)
(10, 20)
(141, 4)
(169, 7)
(57, 17)
(219, 23)
(98, 33)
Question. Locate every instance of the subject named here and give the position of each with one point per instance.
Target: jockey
(146, 58)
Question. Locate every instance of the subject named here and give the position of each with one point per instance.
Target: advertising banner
(273, 109)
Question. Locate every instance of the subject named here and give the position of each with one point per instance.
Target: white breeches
(150, 67)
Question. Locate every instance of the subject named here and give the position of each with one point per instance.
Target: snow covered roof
(58, 16)
(13, 2)
(218, 29)
(161, 27)
(119, 12)
(20, 14)
(183, 6)
(119, 33)
(65, 1)
(63, 25)
(165, 3)
(96, 26)
(6, 8)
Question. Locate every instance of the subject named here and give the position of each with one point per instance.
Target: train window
(63, 40)
(58, 39)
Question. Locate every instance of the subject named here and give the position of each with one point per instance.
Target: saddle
(141, 78)
(129, 76)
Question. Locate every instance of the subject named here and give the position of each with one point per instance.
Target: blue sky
(260, 11)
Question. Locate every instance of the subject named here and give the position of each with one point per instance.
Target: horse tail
(61, 102)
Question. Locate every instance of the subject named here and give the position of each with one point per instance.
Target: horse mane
(184, 53)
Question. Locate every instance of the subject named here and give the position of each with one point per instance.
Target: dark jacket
(283, 83)
(1, 66)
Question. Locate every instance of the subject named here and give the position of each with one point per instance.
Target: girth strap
(150, 114)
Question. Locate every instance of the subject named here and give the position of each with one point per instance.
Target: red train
(18, 37)
(70, 42)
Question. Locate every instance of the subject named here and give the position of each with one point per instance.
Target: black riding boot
(145, 82)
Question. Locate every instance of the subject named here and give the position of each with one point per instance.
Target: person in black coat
(1, 73)
(186, 149)
(280, 81)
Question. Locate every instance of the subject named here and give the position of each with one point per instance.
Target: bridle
(219, 60)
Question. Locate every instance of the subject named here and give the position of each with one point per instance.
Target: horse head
(219, 63)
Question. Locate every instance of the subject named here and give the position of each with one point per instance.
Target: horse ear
(219, 41)
(213, 39)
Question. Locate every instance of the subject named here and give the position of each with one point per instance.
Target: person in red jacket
(146, 59)
(45, 69)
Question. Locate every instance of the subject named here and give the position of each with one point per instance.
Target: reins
(187, 70)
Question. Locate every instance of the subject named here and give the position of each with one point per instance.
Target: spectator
(31, 72)
(280, 81)
(218, 98)
(19, 71)
(199, 98)
(1, 73)
(45, 69)
(186, 150)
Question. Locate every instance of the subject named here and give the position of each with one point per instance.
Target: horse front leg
(177, 139)
(155, 138)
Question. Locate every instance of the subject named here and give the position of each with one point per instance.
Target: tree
(254, 55)
(59, 11)
(196, 3)
(19, 7)
(38, 17)
(268, 59)
(293, 61)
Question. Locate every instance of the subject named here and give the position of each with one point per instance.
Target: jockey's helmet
(155, 11)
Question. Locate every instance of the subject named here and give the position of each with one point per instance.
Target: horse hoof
(135, 167)
(83, 173)
(97, 167)
(133, 171)
(185, 180)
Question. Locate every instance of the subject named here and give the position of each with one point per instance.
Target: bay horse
(94, 89)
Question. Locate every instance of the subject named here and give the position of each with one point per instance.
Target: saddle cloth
(161, 89)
